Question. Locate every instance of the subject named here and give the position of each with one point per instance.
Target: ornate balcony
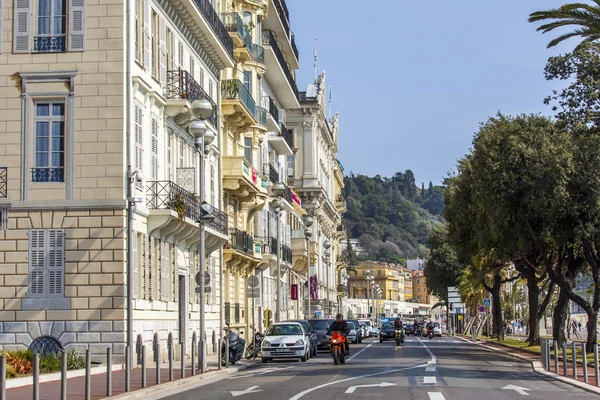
(173, 211)
(282, 141)
(279, 73)
(49, 44)
(242, 180)
(241, 251)
(299, 251)
(3, 182)
(258, 53)
(286, 254)
(278, 21)
(269, 244)
(181, 90)
(237, 103)
(241, 241)
(242, 39)
(48, 174)
(261, 117)
(340, 204)
(270, 171)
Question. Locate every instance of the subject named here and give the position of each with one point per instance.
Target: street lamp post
(379, 292)
(327, 246)
(373, 296)
(201, 110)
(308, 222)
(278, 190)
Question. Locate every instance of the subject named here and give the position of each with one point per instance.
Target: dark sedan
(321, 326)
(386, 332)
(311, 334)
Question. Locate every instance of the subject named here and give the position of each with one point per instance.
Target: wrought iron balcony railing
(49, 44)
(284, 14)
(273, 109)
(286, 254)
(271, 172)
(261, 116)
(241, 241)
(3, 182)
(288, 195)
(269, 39)
(219, 223)
(340, 165)
(170, 196)
(287, 136)
(258, 53)
(181, 85)
(48, 174)
(234, 89)
(216, 24)
(233, 23)
(269, 244)
(294, 48)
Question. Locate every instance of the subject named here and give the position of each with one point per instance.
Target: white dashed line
(429, 380)
(436, 396)
(430, 369)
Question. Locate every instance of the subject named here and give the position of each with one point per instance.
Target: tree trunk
(559, 317)
(497, 307)
(592, 333)
(534, 315)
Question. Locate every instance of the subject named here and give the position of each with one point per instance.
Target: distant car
(374, 331)
(359, 332)
(369, 332)
(311, 334)
(387, 332)
(437, 329)
(285, 340)
(363, 329)
(354, 332)
(321, 326)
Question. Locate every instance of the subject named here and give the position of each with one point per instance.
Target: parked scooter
(235, 350)
(254, 347)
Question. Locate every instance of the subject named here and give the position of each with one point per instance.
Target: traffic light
(450, 306)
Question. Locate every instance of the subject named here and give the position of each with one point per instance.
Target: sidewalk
(76, 386)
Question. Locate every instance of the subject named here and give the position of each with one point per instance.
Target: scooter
(430, 333)
(233, 345)
(254, 347)
(398, 336)
(337, 347)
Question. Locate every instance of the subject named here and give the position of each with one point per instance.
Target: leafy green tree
(423, 194)
(430, 191)
(442, 268)
(584, 17)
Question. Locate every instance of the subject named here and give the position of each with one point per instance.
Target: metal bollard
(2, 378)
(596, 366)
(227, 351)
(564, 355)
(584, 359)
(542, 352)
(574, 355)
(548, 355)
(219, 344)
(36, 377)
(88, 375)
(127, 369)
(170, 351)
(157, 363)
(109, 372)
(556, 356)
(63, 375)
(193, 358)
(144, 366)
(182, 360)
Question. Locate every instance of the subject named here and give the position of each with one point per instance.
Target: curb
(537, 367)
(181, 384)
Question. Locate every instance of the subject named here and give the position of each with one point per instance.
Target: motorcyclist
(340, 325)
(398, 323)
(416, 328)
(429, 326)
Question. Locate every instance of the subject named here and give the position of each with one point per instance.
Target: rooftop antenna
(315, 56)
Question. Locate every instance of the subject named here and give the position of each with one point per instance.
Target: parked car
(354, 332)
(285, 340)
(363, 329)
(387, 332)
(320, 326)
(311, 334)
(369, 327)
(360, 337)
(374, 331)
(437, 329)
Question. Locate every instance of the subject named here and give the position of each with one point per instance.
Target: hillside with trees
(392, 217)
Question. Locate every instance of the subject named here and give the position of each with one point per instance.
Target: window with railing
(273, 109)
(269, 39)
(211, 16)
(49, 142)
(234, 89)
(261, 116)
(51, 26)
(241, 241)
(3, 182)
(284, 14)
(270, 170)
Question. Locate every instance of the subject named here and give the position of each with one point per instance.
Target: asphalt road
(439, 369)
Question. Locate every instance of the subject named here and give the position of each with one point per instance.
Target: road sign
(487, 302)
(253, 281)
(459, 310)
(318, 314)
(206, 290)
(206, 279)
(481, 309)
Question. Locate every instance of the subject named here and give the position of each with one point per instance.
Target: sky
(411, 91)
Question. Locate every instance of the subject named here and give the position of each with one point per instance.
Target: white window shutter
(146, 267)
(147, 58)
(134, 267)
(36, 263)
(165, 271)
(175, 275)
(163, 50)
(56, 262)
(154, 272)
(22, 26)
(1, 27)
(192, 277)
(154, 166)
(76, 40)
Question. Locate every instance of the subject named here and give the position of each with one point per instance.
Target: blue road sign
(487, 302)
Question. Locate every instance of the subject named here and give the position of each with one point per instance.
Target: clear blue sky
(412, 80)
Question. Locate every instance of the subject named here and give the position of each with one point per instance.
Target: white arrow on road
(251, 389)
(518, 389)
(351, 389)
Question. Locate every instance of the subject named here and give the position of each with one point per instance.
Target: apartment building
(72, 124)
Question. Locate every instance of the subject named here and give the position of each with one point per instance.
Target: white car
(369, 332)
(354, 332)
(437, 329)
(285, 340)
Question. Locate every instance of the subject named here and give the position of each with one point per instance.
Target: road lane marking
(251, 389)
(433, 358)
(429, 380)
(351, 389)
(430, 369)
(352, 357)
(436, 396)
(307, 391)
(266, 371)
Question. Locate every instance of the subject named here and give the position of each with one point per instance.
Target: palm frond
(562, 38)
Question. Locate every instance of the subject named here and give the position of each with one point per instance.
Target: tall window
(49, 142)
(213, 192)
(248, 81)
(139, 143)
(248, 149)
(201, 78)
(181, 152)
(155, 46)
(192, 67)
(180, 55)
(139, 30)
(211, 89)
(154, 148)
(169, 155)
(51, 25)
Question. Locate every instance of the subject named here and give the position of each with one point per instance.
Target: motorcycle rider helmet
(339, 317)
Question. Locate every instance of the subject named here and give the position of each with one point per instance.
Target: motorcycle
(398, 336)
(337, 347)
(417, 331)
(254, 347)
(430, 333)
(233, 345)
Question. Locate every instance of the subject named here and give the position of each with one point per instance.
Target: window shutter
(147, 58)
(36, 263)
(175, 275)
(154, 272)
(192, 277)
(154, 165)
(146, 267)
(139, 142)
(22, 26)
(163, 50)
(76, 25)
(164, 271)
(56, 262)
(134, 267)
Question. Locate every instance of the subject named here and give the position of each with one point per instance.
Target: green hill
(392, 217)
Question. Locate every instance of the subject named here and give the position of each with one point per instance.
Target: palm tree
(585, 16)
